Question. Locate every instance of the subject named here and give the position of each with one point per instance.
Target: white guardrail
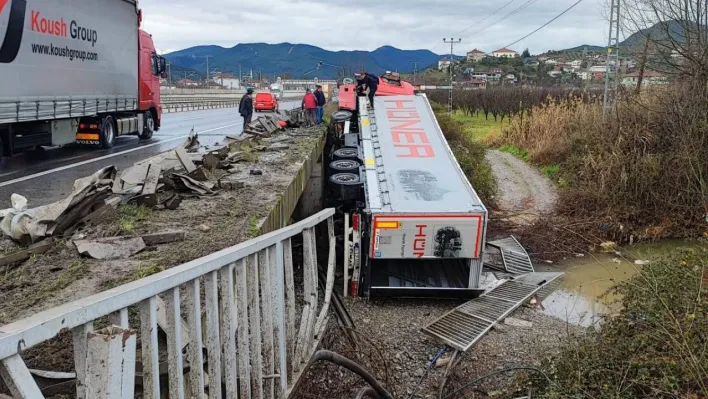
(259, 331)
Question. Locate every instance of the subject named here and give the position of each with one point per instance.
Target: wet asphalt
(46, 176)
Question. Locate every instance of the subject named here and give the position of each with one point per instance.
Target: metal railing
(184, 106)
(260, 330)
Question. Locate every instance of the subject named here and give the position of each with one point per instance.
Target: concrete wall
(311, 200)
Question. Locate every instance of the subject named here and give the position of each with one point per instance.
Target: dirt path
(522, 191)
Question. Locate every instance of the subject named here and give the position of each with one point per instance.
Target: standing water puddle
(582, 296)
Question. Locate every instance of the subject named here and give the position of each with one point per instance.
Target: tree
(526, 54)
(677, 32)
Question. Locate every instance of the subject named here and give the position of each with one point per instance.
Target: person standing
(321, 101)
(309, 104)
(371, 82)
(245, 108)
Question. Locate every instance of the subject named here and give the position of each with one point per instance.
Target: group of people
(313, 104)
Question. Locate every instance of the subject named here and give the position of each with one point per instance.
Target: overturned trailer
(413, 224)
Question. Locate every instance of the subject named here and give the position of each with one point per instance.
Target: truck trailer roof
(409, 166)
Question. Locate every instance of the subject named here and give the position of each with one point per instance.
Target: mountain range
(294, 60)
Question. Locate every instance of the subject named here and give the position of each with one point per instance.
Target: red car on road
(266, 102)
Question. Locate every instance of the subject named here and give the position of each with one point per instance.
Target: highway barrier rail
(262, 325)
(197, 104)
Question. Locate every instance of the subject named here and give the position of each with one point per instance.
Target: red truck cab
(150, 67)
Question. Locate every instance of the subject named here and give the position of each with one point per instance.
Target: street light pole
(452, 42)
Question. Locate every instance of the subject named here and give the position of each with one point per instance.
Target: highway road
(47, 176)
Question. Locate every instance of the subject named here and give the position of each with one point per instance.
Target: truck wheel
(344, 166)
(346, 153)
(341, 116)
(345, 179)
(149, 127)
(108, 132)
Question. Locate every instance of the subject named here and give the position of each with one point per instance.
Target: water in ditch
(582, 296)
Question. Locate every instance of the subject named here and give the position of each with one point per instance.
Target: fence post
(110, 363)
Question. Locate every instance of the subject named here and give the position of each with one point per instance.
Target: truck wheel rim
(151, 124)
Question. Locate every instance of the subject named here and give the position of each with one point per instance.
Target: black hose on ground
(352, 366)
(367, 391)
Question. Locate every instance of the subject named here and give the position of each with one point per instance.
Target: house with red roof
(505, 53)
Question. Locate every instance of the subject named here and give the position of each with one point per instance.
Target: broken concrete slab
(185, 160)
(230, 185)
(25, 254)
(164, 237)
(199, 174)
(148, 195)
(173, 202)
(195, 186)
(111, 247)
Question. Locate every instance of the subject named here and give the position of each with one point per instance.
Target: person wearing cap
(370, 81)
(309, 104)
(245, 108)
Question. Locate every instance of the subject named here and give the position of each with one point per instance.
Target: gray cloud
(368, 24)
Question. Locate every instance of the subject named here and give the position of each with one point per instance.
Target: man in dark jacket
(371, 82)
(321, 101)
(245, 108)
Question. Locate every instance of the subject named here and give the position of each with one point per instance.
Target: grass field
(478, 127)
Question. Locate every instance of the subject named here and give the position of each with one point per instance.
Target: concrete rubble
(190, 170)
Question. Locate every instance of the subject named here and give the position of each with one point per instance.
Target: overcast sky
(406, 24)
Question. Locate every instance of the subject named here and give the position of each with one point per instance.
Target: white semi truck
(76, 71)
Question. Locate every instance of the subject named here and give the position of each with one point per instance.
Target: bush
(469, 155)
(655, 347)
(643, 170)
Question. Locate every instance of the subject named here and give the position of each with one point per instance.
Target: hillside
(297, 59)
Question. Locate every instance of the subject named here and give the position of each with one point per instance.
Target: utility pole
(207, 67)
(452, 42)
(415, 70)
(612, 55)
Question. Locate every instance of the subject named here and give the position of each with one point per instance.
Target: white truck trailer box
(67, 59)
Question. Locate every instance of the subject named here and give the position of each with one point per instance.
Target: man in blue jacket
(321, 101)
(245, 108)
(370, 81)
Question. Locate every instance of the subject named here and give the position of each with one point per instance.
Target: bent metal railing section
(254, 345)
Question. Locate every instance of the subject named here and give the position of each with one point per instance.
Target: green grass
(253, 229)
(130, 215)
(550, 170)
(515, 151)
(477, 127)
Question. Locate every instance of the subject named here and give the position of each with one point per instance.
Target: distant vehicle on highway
(277, 90)
(76, 71)
(266, 102)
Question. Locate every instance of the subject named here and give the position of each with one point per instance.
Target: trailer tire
(108, 132)
(341, 116)
(345, 179)
(344, 166)
(346, 153)
(149, 127)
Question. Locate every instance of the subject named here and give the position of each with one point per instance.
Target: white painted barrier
(249, 292)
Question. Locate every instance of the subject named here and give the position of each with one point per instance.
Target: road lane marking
(88, 161)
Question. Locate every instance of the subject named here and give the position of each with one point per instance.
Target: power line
(516, 10)
(486, 18)
(546, 24)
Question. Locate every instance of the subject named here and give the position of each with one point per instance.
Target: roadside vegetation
(654, 348)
